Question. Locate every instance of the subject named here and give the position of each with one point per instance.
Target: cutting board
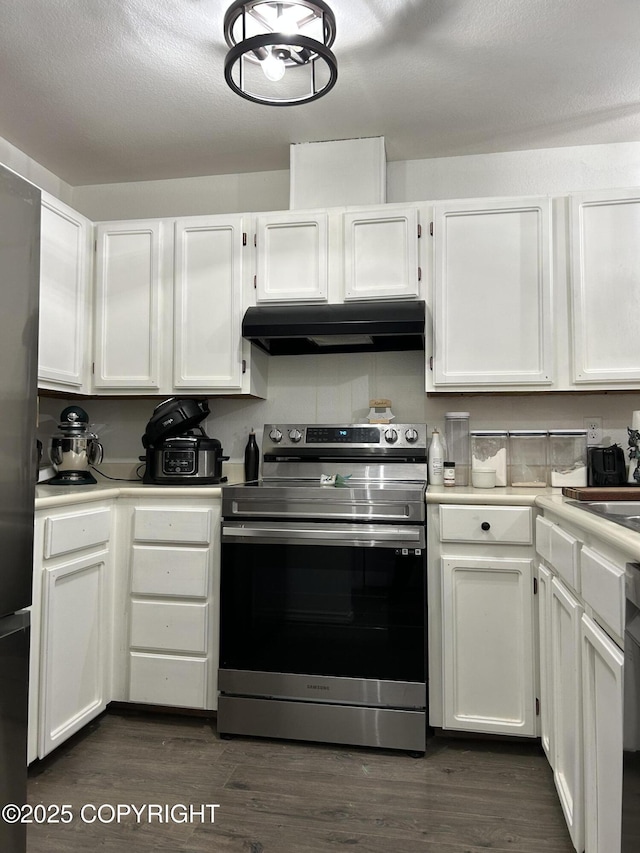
(602, 493)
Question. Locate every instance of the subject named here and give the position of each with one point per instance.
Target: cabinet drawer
(157, 570)
(565, 556)
(66, 533)
(192, 526)
(167, 680)
(602, 586)
(510, 525)
(165, 625)
(543, 538)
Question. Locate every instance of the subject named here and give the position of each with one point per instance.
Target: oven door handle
(383, 535)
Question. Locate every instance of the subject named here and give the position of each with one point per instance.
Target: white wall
(252, 191)
(544, 171)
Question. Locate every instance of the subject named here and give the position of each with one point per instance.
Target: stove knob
(295, 435)
(275, 435)
(391, 436)
(411, 435)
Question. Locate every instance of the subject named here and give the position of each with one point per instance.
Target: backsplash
(337, 389)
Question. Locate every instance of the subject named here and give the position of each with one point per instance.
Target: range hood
(348, 327)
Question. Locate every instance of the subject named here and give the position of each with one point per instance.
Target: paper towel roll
(635, 420)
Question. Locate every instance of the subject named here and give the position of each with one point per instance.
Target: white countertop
(51, 496)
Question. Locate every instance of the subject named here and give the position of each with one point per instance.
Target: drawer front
(508, 525)
(167, 680)
(66, 533)
(602, 585)
(543, 538)
(180, 572)
(565, 556)
(188, 526)
(165, 625)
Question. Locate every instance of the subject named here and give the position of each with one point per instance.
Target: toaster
(606, 466)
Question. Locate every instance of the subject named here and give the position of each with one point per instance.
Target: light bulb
(273, 68)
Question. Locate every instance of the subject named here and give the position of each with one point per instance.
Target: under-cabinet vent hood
(349, 327)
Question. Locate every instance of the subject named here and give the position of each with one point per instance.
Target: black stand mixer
(74, 450)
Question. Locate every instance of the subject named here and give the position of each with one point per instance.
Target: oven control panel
(324, 437)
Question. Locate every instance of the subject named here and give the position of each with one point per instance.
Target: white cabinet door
(493, 321)
(208, 303)
(292, 257)
(544, 637)
(381, 253)
(75, 655)
(566, 680)
(605, 283)
(129, 305)
(65, 283)
(602, 695)
(488, 659)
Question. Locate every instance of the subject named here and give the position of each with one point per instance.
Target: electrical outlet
(593, 427)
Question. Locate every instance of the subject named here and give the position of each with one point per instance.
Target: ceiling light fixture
(273, 43)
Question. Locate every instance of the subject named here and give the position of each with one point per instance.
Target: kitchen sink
(626, 513)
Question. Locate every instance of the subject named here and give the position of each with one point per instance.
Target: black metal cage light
(280, 51)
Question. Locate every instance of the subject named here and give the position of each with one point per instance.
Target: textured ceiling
(121, 90)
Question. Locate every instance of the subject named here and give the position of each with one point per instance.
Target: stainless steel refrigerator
(19, 286)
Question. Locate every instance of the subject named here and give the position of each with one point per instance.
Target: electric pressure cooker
(178, 451)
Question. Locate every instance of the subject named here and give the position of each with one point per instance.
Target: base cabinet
(482, 666)
(488, 645)
(581, 672)
(566, 613)
(71, 614)
(172, 606)
(75, 638)
(602, 704)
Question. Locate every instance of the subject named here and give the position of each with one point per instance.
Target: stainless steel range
(323, 588)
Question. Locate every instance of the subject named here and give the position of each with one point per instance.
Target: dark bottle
(251, 458)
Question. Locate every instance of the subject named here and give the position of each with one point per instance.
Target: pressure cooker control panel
(323, 437)
(178, 461)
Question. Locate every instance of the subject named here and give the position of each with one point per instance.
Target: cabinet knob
(485, 525)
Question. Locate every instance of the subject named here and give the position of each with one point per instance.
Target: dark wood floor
(283, 797)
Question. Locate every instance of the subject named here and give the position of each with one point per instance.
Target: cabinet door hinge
(244, 238)
(431, 228)
(95, 245)
(535, 586)
(244, 365)
(419, 231)
(537, 707)
(419, 273)
(255, 282)
(255, 239)
(430, 362)
(93, 367)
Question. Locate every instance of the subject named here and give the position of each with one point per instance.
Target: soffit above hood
(348, 327)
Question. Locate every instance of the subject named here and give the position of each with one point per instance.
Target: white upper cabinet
(65, 284)
(169, 302)
(292, 257)
(493, 319)
(208, 303)
(381, 253)
(129, 305)
(605, 285)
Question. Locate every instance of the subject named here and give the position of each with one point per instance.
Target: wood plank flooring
(285, 797)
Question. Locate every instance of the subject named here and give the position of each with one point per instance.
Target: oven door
(345, 601)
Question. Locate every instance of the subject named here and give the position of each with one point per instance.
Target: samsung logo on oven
(317, 687)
